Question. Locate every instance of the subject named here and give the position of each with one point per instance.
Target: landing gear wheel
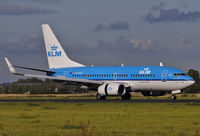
(99, 97)
(173, 97)
(126, 96)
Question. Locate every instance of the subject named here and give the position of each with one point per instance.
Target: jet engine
(153, 93)
(112, 89)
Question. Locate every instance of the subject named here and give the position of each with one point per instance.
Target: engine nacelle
(153, 93)
(112, 89)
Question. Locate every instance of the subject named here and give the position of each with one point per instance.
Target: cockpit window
(179, 74)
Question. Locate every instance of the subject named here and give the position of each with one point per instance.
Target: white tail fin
(56, 56)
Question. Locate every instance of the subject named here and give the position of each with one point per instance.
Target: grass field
(91, 95)
(99, 119)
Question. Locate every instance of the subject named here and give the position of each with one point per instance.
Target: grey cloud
(131, 52)
(133, 45)
(49, 2)
(162, 4)
(99, 27)
(185, 43)
(17, 10)
(120, 45)
(26, 45)
(172, 15)
(26, 51)
(118, 25)
(45, 1)
(143, 44)
(111, 52)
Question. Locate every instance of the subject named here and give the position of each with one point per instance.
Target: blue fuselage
(124, 73)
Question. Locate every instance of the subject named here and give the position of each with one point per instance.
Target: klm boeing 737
(109, 80)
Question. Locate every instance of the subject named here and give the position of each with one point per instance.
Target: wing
(61, 78)
(41, 70)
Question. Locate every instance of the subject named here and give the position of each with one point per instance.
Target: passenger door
(115, 76)
(164, 76)
(66, 73)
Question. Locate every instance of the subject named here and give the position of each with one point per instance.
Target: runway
(103, 101)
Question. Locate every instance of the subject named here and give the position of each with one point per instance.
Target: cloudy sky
(101, 32)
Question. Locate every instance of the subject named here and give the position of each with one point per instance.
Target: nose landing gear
(174, 92)
(173, 97)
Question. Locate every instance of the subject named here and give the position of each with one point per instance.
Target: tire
(126, 96)
(173, 97)
(99, 97)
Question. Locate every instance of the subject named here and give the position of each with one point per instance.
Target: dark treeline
(195, 88)
(38, 86)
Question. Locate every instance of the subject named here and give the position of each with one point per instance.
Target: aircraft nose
(192, 82)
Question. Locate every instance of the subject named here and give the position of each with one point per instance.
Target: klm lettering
(54, 53)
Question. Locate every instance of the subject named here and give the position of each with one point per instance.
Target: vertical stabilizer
(56, 56)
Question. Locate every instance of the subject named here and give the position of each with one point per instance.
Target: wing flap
(41, 70)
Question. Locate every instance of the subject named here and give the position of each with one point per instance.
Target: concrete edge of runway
(103, 101)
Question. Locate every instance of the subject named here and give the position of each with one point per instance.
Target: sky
(101, 32)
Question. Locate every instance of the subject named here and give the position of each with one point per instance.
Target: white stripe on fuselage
(156, 85)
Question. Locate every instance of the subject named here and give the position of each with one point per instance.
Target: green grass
(99, 119)
(93, 96)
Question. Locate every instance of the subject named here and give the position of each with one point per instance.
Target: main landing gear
(99, 97)
(126, 96)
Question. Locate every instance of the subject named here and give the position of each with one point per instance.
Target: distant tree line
(195, 88)
(38, 86)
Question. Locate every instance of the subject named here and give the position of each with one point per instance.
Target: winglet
(11, 68)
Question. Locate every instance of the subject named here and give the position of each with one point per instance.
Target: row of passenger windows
(180, 74)
(122, 75)
(113, 75)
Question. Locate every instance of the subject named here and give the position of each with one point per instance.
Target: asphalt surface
(102, 101)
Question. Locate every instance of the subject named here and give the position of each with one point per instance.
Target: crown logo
(54, 48)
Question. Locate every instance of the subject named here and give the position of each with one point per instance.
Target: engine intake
(112, 89)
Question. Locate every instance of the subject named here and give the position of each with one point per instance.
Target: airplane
(107, 80)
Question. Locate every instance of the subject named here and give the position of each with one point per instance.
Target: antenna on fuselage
(161, 64)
